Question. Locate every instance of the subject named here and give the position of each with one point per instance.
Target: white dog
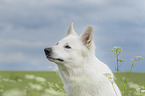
(81, 72)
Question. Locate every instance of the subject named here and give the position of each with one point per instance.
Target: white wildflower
(44, 94)
(1, 90)
(19, 80)
(36, 86)
(14, 92)
(26, 87)
(6, 79)
(142, 91)
(29, 76)
(50, 84)
(56, 85)
(138, 93)
(54, 92)
(12, 81)
(40, 79)
(133, 85)
(110, 77)
(43, 83)
(138, 89)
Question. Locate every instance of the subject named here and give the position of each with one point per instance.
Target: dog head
(73, 49)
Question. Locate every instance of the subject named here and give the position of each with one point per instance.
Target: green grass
(15, 75)
(136, 78)
(18, 81)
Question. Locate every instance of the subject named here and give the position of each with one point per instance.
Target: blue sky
(27, 27)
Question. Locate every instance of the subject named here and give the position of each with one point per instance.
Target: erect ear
(71, 30)
(87, 36)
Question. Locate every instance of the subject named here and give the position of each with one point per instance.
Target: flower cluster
(32, 86)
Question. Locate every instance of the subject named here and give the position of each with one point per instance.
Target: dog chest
(80, 86)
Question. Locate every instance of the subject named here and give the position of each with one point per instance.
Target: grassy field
(19, 83)
(136, 83)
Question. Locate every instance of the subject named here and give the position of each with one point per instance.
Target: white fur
(81, 72)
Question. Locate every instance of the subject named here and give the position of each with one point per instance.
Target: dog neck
(66, 72)
(69, 72)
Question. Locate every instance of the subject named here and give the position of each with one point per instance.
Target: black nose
(48, 51)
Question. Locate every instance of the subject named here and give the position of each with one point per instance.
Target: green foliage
(16, 83)
(129, 88)
(13, 83)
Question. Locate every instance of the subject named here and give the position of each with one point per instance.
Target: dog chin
(56, 60)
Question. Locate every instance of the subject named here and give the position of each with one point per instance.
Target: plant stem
(131, 68)
(124, 86)
(117, 63)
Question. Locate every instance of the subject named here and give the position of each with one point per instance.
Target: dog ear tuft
(71, 31)
(87, 36)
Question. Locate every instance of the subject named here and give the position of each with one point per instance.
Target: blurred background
(29, 26)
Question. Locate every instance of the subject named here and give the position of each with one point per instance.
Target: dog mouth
(54, 59)
(48, 53)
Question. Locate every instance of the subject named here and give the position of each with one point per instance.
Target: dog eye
(67, 46)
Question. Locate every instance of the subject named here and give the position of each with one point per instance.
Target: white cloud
(12, 58)
(13, 42)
